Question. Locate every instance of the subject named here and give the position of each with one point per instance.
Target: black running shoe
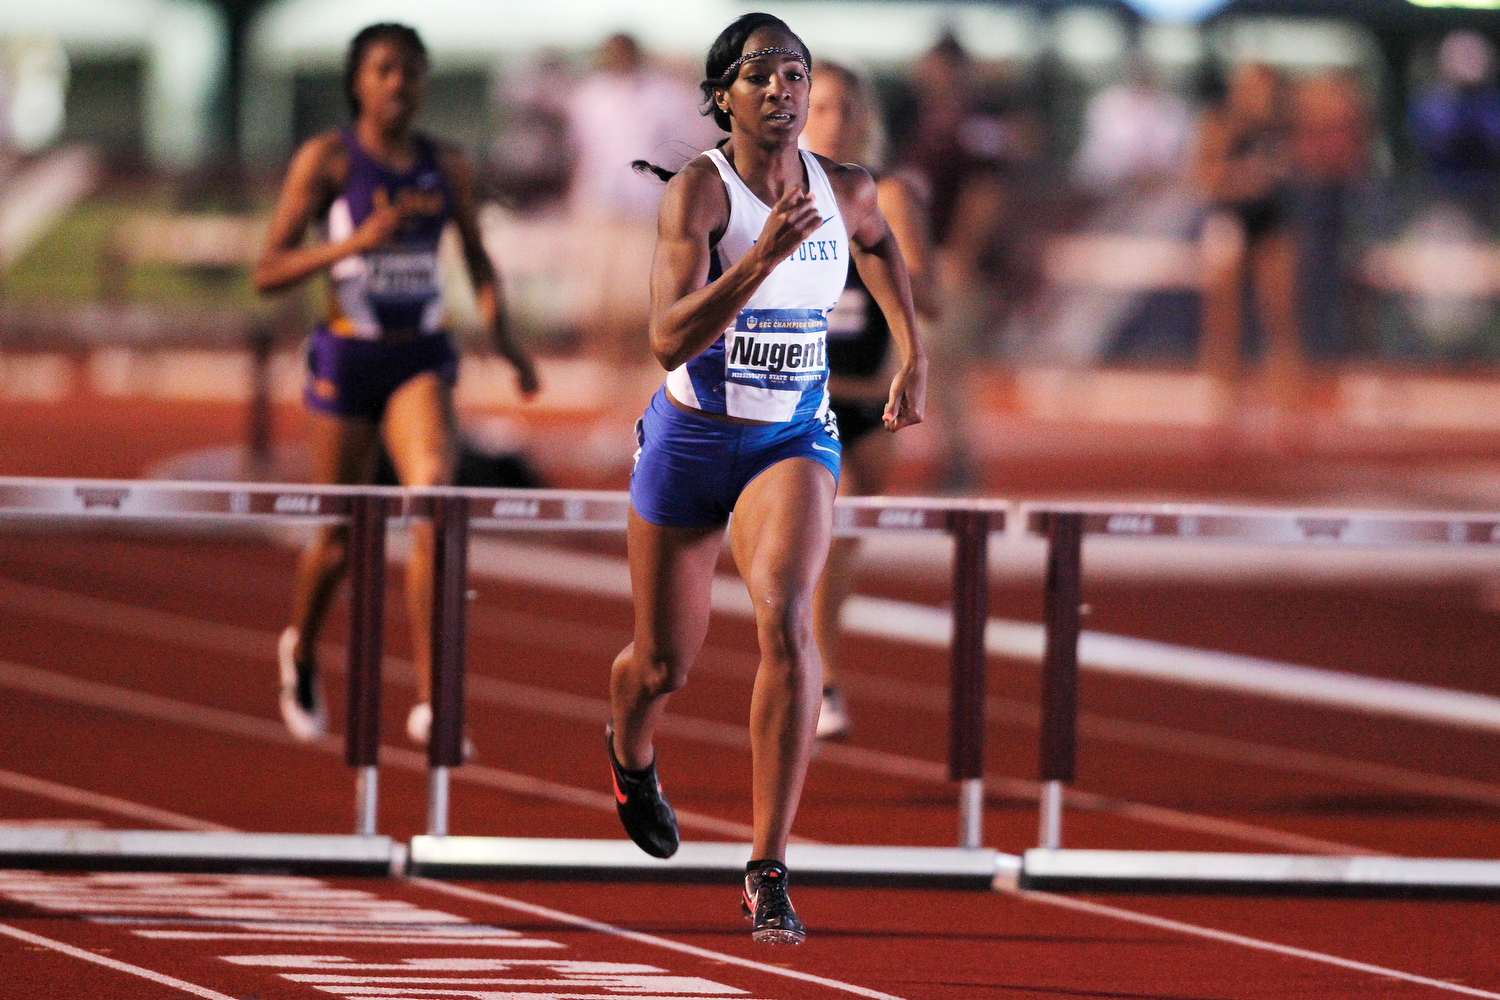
(644, 811)
(767, 906)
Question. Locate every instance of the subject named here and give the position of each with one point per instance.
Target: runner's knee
(660, 671)
(783, 617)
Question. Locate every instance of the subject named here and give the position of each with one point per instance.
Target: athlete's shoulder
(322, 160)
(695, 198)
(852, 185)
(850, 176)
(697, 172)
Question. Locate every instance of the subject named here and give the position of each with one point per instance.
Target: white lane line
(113, 698)
(105, 803)
(113, 963)
(920, 624)
(651, 939)
(170, 627)
(1131, 916)
(586, 639)
(117, 699)
(556, 633)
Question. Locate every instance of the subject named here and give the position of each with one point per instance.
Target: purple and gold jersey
(395, 287)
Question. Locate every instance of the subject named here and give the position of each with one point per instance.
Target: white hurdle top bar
(489, 509)
(1272, 526)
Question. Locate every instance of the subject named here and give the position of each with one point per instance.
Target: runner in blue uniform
(753, 247)
(380, 367)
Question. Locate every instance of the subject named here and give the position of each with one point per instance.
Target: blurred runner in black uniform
(843, 124)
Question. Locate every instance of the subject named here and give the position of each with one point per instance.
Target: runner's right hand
(385, 218)
(793, 219)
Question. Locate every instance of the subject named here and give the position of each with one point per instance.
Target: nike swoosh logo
(831, 451)
(620, 796)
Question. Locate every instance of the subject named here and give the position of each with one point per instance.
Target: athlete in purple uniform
(380, 367)
(753, 244)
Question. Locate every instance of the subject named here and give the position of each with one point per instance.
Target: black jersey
(858, 334)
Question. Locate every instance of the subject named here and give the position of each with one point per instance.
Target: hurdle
(1050, 866)
(456, 512)
(366, 510)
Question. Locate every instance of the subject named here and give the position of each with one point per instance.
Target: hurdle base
(66, 849)
(1257, 874)
(621, 860)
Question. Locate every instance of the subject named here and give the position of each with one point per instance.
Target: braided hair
(386, 31)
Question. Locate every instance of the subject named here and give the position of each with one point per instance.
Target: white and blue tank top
(395, 286)
(772, 363)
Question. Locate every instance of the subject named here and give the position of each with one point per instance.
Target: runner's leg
(779, 534)
(420, 439)
(671, 576)
(343, 452)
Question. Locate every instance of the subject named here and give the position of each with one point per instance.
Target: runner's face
(390, 84)
(833, 126)
(769, 97)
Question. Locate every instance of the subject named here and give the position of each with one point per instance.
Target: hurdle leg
(1060, 669)
(260, 341)
(450, 529)
(971, 538)
(367, 516)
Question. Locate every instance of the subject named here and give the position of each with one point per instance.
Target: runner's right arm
(310, 182)
(687, 313)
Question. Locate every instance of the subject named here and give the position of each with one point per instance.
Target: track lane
(879, 946)
(1010, 951)
(169, 627)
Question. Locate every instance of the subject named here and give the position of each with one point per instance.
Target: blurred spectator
(956, 151)
(625, 111)
(1130, 163)
(1455, 124)
(1135, 135)
(1333, 205)
(529, 156)
(7, 97)
(1243, 165)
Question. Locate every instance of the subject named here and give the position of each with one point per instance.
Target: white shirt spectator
(624, 112)
(1133, 133)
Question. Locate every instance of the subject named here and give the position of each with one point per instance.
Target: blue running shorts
(349, 377)
(690, 470)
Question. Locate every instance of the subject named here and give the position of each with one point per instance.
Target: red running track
(138, 692)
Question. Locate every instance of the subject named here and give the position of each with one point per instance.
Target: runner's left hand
(908, 396)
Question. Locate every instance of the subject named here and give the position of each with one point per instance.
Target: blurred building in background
(140, 78)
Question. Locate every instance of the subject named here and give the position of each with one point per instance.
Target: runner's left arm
(487, 288)
(883, 271)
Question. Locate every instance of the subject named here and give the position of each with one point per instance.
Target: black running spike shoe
(644, 811)
(767, 906)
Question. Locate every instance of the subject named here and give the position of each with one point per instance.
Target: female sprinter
(380, 367)
(843, 124)
(753, 243)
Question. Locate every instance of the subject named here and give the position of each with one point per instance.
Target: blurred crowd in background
(1212, 212)
(1236, 211)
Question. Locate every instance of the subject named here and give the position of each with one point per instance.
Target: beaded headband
(734, 67)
